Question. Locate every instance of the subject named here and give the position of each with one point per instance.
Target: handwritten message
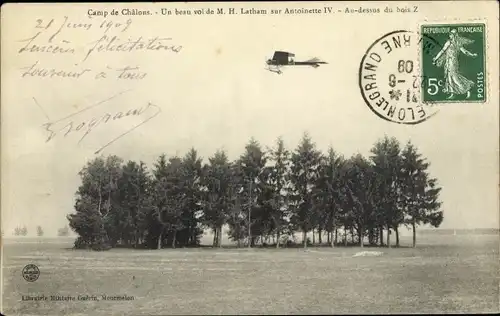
(80, 43)
(57, 37)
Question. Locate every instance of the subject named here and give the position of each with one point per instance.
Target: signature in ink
(72, 125)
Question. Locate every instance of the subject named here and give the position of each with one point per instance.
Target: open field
(444, 274)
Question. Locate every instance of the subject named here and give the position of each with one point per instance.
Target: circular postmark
(31, 273)
(389, 77)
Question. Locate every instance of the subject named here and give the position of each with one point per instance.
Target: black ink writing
(31, 47)
(35, 70)
(86, 126)
(150, 105)
(115, 44)
(70, 124)
(108, 25)
(51, 37)
(132, 73)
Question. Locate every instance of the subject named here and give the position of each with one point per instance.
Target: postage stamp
(390, 80)
(456, 72)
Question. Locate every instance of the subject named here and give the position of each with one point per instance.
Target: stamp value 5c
(455, 73)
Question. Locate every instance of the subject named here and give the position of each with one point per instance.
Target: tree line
(23, 231)
(265, 196)
(20, 231)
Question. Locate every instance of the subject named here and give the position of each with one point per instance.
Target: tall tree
(88, 221)
(251, 164)
(420, 192)
(133, 191)
(237, 214)
(164, 203)
(144, 206)
(191, 208)
(173, 198)
(96, 201)
(39, 231)
(304, 172)
(278, 183)
(329, 191)
(360, 187)
(115, 216)
(386, 164)
(217, 201)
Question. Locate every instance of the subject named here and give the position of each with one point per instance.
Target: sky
(216, 94)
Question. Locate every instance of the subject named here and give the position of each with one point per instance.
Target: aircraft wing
(280, 55)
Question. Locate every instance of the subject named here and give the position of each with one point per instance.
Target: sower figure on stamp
(455, 82)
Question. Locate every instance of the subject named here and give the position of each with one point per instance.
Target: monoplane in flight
(281, 59)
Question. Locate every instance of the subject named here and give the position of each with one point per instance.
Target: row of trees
(263, 195)
(23, 231)
(20, 231)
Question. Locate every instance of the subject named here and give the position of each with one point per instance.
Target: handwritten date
(106, 25)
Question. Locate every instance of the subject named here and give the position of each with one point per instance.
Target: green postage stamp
(455, 71)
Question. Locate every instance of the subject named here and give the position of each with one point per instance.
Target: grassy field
(453, 274)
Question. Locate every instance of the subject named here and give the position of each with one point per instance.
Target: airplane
(281, 59)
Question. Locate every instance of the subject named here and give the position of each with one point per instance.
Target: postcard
(249, 158)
